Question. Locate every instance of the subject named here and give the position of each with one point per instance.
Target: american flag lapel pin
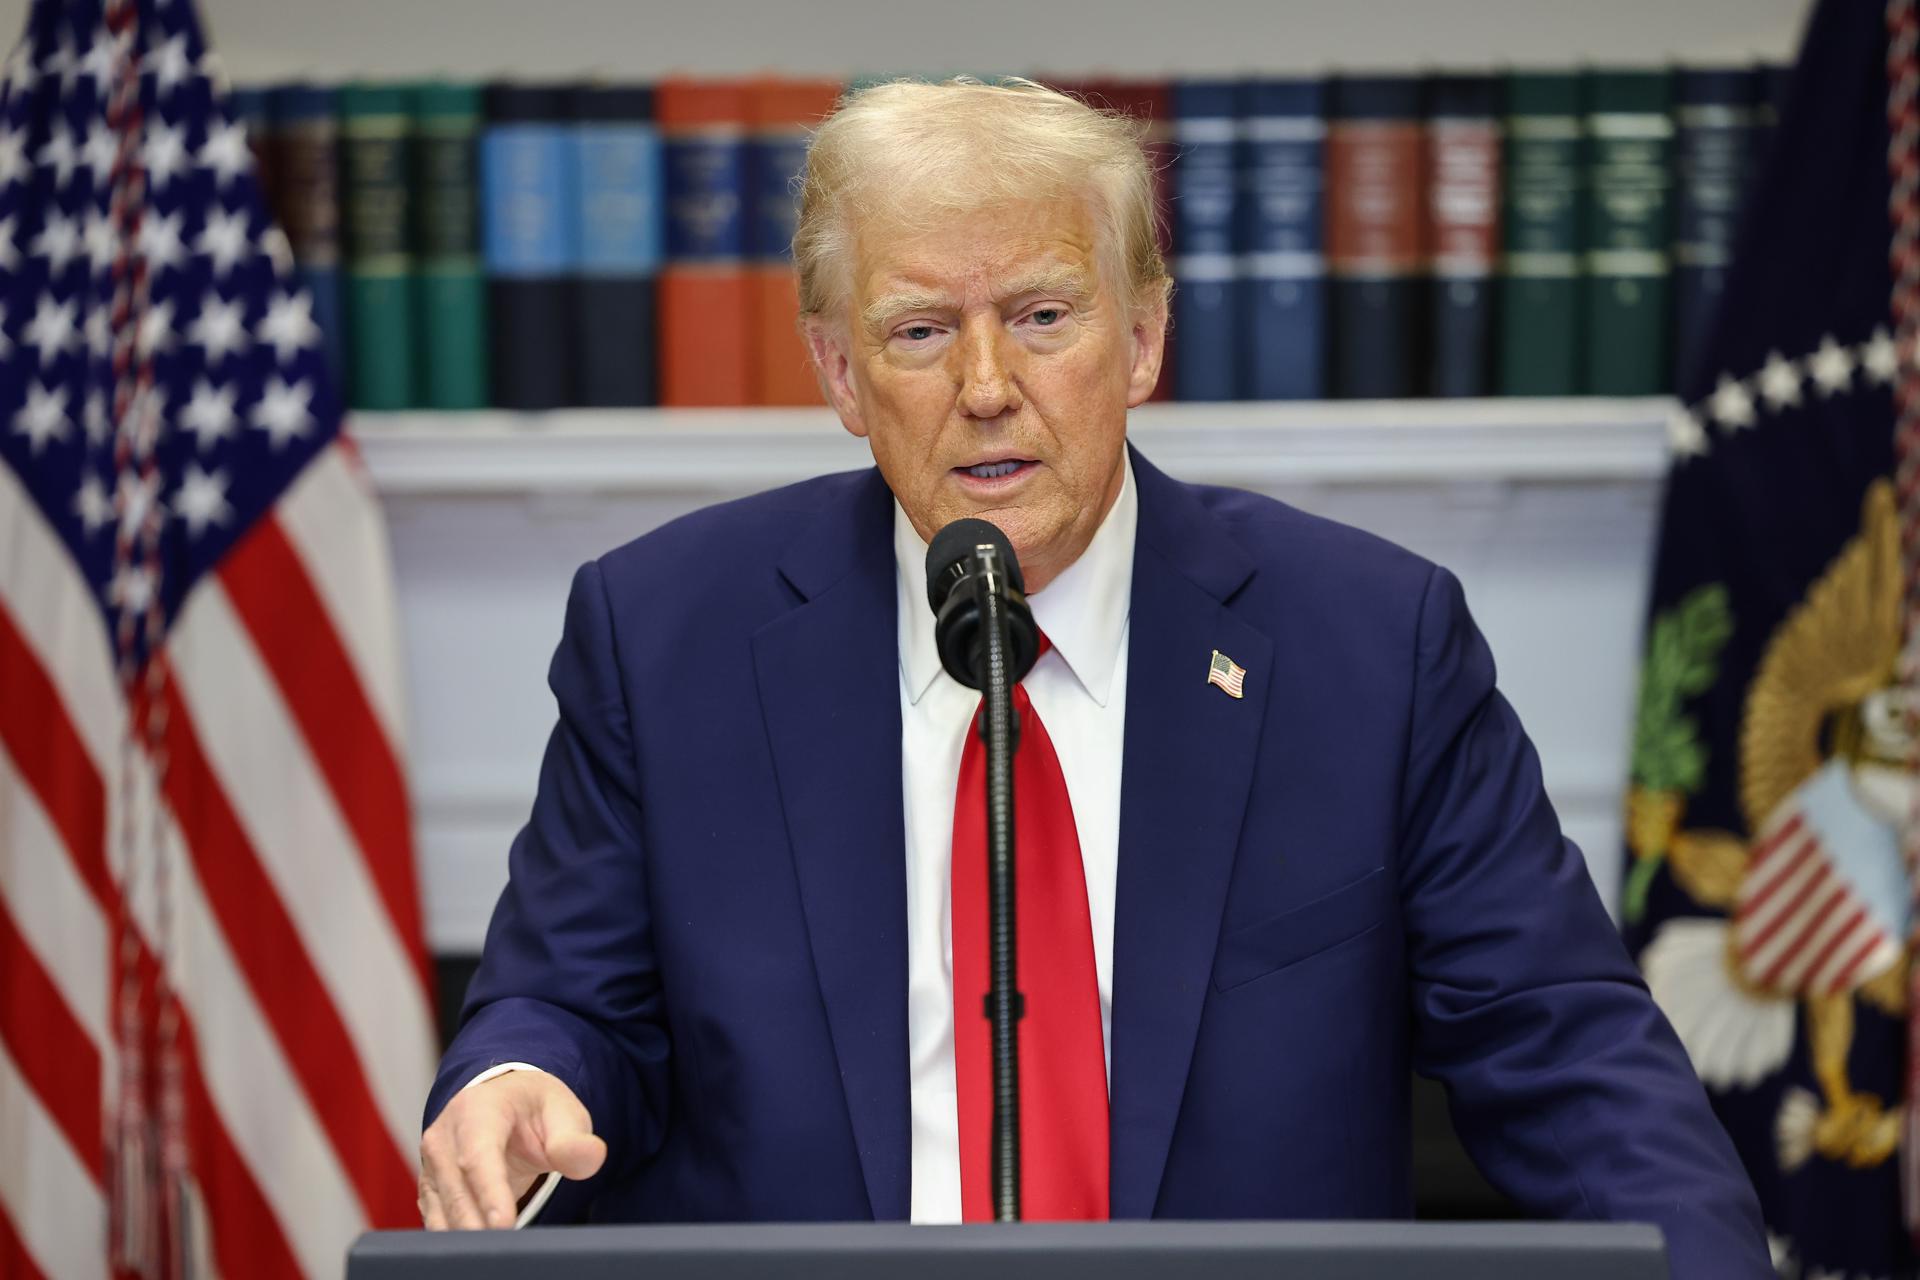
(1228, 675)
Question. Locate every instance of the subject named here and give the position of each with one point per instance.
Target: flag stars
(99, 330)
(99, 63)
(99, 152)
(1685, 436)
(1831, 367)
(159, 242)
(155, 332)
(225, 152)
(58, 242)
(209, 414)
(43, 417)
(1878, 357)
(20, 76)
(1779, 382)
(288, 325)
(169, 65)
(220, 328)
(1731, 404)
(94, 418)
(131, 589)
(51, 329)
(102, 241)
(134, 496)
(282, 411)
(274, 241)
(92, 505)
(9, 252)
(224, 239)
(59, 153)
(165, 154)
(6, 343)
(202, 499)
(13, 156)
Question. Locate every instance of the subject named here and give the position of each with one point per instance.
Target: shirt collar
(1083, 611)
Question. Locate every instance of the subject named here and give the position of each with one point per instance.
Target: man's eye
(917, 332)
(1046, 317)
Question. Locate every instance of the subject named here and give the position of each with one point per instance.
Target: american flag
(214, 993)
(1227, 674)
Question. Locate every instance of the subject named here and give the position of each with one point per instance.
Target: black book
(531, 242)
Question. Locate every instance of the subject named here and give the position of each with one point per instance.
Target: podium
(1025, 1251)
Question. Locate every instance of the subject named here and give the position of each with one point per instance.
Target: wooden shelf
(731, 451)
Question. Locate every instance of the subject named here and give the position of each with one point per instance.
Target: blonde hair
(913, 152)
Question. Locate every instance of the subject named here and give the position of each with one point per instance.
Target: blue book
(1463, 216)
(304, 158)
(1376, 251)
(1717, 119)
(618, 166)
(530, 243)
(1206, 276)
(1283, 273)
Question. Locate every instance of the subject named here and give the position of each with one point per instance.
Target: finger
(449, 1184)
(481, 1153)
(568, 1137)
(431, 1214)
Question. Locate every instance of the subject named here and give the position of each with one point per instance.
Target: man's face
(990, 366)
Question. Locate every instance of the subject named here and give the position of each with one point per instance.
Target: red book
(783, 112)
(706, 314)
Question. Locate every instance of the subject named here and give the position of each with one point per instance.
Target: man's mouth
(997, 470)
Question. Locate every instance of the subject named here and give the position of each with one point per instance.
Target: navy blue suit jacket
(1352, 872)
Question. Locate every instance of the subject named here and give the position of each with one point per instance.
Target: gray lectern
(1025, 1251)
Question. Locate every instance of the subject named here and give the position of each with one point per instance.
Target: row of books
(534, 246)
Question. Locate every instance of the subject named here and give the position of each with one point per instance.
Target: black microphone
(966, 558)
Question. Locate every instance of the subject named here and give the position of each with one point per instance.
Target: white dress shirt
(1079, 689)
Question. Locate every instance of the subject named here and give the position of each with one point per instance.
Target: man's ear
(827, 345)
(1148, 345)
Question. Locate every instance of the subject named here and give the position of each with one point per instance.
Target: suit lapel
(1187, 766)
(828, 674)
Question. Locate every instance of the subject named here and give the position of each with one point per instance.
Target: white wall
(336, 38)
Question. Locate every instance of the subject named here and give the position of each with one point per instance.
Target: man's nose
(989, 386)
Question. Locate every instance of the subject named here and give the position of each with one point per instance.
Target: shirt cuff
(543, 1189)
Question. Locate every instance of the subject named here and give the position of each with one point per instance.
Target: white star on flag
(224, 239)
(220, 328)
(61, 63)
(169, 65)
(289, 325)
(202, 499)
(1878, 356)
(9, 252)
(133, 500)
(131, 590)
(1779, 382)
(51, 329)
(1831, 367)
(102, 241)
(6, 343)
(274, 242)
(1731, 405)
(282, 411)
(225, 152)
(13, 156)
(98, 65)
(159, 242)
(92, 505)
(93, 417)
(59, 152)
(155, 332)
(43, 417)
(1685, 435)
(209, 414)
(99, 152)
(58, 242)
(20, 74)
(164, 155)
(99, 329)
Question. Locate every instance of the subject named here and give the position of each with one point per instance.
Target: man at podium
(1281, 838)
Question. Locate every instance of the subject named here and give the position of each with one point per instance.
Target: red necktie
(1063, 1077)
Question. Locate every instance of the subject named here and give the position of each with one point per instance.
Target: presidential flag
(214, 994)
(1773, 774)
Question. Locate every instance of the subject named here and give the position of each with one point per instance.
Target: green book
(451, 288)
(375, 133)
(1541, 236)
(1629, 214)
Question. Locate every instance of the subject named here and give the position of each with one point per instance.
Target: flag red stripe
(1852, 966)
(1836, 895)
(15, 1262)
(290, 993)
(1766, 847)
(283, 613)
(50, 757)
(1781, 917)
(57, 1059)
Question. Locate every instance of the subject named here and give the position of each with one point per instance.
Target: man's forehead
(998, 254)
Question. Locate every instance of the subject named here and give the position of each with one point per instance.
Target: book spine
(618, 167)
(783, 112)
(706, 323)
(304, 155)
(1463, 212)
(1282, 268)
(1714, 123)
(452, 291)
(374, 147)
(1630, 226)
(1540, 216)
(1376, 254)
(529, 247)
(1205, 190)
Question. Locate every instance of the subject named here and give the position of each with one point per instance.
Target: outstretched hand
(494, 1140)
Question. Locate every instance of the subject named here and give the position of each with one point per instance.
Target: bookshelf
(727, 452)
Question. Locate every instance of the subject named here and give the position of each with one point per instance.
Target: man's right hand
(494, 1140)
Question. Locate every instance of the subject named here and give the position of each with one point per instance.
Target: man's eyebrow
(1054, 278)
(888, 305)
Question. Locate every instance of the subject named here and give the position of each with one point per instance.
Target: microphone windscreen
(953, 546)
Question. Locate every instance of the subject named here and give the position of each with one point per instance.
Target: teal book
(375, 132)
(1541, 236)
(451, 289)
(1629, 219)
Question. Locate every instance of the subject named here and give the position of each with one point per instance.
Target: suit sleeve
(568, 980)
(1567, 1086)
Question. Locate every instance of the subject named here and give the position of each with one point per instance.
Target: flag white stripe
(49, 603)
(332, 517)
(1771, 865)
(1844, 905)
(270, 778)
(254, 1091)
(1785, 902)
(51, 905)
(54, 1206)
